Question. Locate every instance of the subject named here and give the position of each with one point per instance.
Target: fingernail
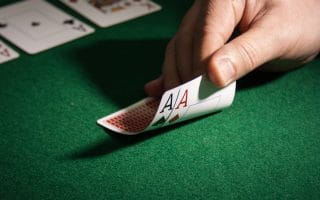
(226, 70)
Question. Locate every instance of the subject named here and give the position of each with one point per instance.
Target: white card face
(165, 108)
(203, 98)
(187, 97)
(192, 99)
(115, 12)
(35, 25)
(6, 53)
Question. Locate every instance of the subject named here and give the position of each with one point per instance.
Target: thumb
(243, 54)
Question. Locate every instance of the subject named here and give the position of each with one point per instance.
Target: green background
(267, 145)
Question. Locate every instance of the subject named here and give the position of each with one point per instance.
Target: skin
(276, 35)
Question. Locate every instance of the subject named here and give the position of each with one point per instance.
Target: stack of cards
(192, 99)
(113, 11)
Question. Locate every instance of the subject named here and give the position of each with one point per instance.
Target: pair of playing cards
(192, 99)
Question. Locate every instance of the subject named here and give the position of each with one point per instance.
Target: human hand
(282, 30)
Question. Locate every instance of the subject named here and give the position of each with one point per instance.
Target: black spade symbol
(3, 25)
(68, 21)
(35, 24)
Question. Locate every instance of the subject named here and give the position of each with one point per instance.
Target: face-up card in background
(192, 99)
(6, 53)
(113, 13)
(35, 25)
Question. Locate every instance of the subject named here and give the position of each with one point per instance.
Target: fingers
(258, 45)
(170, 74)
(155, 87)
(178, 56)
(216, 23)
(183, 42)
(169, 78)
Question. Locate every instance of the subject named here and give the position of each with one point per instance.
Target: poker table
(265, 146)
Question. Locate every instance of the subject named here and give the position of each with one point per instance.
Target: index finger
(216, 23)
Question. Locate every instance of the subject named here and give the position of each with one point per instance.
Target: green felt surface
(266, 146)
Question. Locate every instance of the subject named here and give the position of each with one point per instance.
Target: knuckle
(248, 54)
(219, 38)
(206, 32)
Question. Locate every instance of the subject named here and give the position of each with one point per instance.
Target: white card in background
(35, 25)
(192, 99)
(7, 53)
(114, 13)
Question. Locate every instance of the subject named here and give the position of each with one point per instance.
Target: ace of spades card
(35, 25)
(193, 99)
(114, 11)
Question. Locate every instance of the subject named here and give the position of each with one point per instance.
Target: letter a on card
(167, 105)
(184, 100)
(187, 96)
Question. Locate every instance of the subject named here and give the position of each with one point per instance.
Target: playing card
(166, 107)
(113, 11)
(134, 119)
(192, 99)
(35, 25)
(200, 97)
(6, 53)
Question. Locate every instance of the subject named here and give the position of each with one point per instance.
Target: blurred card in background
(6, 53)
(106, 13)
(36, 25)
